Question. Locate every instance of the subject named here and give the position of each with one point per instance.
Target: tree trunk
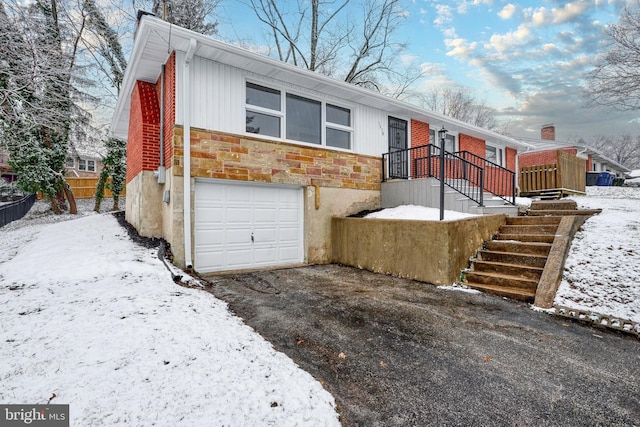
(73, 209)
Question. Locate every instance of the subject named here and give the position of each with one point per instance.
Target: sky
(527, 59)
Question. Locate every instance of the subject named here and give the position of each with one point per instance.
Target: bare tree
(615, 81)
(458, 103)
(190, 14)
(326, 37)
(624, 149)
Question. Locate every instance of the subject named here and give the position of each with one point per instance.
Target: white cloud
(460, 47)
(569, 12)
(444, 15)
(504, 42)
(507, 11)
(539, 16)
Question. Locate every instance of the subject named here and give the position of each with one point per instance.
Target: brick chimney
(548, 132)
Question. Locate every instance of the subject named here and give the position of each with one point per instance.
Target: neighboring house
(6, 171)
(545, 150)
(84, 159)
(271, 151)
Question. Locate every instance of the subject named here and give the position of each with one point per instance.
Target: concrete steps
(514, 261)
(511, 264)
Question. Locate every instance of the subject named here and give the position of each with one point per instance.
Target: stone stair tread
(507, 265)
(516, 246)
(564, 212)
(544, 238)
(502, 276)
(533, 220)
(514, 253)
(513, 293)
(529, 229)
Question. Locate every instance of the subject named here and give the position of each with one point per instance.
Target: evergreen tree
(113, 172)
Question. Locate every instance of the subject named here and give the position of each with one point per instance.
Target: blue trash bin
(605, 179)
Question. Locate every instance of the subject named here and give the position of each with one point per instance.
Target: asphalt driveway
(396, 352)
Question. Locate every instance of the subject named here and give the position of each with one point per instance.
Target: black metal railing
(498, 180)
(461, 175)
(16, 210)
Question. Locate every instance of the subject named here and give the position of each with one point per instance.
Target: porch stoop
(426, 192)
(514, 261)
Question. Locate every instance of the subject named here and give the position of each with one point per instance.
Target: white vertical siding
(369, 130)
(217, 103)
(217, 100)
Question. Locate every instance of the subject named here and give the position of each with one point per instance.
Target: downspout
(186, 113)
(162, 173)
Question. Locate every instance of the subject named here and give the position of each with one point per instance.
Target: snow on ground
(92, 320)
(417, 213)
(601, 272)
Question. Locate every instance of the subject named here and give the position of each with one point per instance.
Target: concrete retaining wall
(428, 251)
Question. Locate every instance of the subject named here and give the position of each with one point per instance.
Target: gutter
(186, 101)
(162, 173)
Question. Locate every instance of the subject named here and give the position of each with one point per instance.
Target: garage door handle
(252, 238)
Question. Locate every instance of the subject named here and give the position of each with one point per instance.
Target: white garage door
(244, 225)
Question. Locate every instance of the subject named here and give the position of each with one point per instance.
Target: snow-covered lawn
(90, 319)
(601, 272)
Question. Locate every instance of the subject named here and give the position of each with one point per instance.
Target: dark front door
(398, 160)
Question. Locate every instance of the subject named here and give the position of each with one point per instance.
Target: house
(545, 149)
(84, 159)
(271, 152)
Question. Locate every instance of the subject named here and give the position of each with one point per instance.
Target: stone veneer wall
(336, 183)
(226, 156)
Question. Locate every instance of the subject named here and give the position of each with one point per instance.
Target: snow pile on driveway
(601, 272)
(90, 319)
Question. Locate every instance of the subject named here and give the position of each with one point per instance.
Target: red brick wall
(589, 163)
(144, 130)
(538, 158)
(548, 133)
(474, 145)
(419, 138)
(548, 157)
(419, 133)
(510, 155)
(169, 106)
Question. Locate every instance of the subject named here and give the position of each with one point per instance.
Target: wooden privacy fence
(85, 188)
(568, 173)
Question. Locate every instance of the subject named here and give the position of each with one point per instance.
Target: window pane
(70, 163)
(263, 124)
(338, 115)
(338, 138)
(492, 154)
(263, 97)
(450, 144)
(91, 165)
(303, 119)
(82, 165)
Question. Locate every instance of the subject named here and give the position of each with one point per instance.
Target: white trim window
(87, 165)
(449, 141)
(70, 163)
(263, 111)
(300, 118)
(495, 154)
